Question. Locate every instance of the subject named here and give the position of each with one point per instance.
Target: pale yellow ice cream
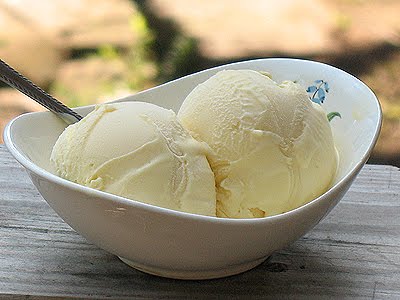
(273, 147)
(139, 151)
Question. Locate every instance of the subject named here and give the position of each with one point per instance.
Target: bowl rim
(28, 164)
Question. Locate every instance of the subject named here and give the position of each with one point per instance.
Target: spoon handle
(25, 86)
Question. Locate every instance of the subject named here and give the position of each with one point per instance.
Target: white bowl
(187, 246)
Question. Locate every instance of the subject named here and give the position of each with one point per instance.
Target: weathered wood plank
(354, 253)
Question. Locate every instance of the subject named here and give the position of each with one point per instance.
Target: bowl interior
(32, 136)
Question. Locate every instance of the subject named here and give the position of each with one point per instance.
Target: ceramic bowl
(183, 245)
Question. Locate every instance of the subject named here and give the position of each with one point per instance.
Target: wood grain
(354, 253)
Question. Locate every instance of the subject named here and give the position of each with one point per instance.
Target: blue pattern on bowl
(317, 93)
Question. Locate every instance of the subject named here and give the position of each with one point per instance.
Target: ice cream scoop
(139, 151)
(273, 148)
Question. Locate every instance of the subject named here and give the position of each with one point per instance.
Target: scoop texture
(139, 151)
(272, 148)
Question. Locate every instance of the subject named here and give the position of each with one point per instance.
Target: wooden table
(354, 253)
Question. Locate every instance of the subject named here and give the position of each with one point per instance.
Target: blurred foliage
(108, 52)
(142, 67)
(70, 97)
(103, 78)
(180, 59)
(382, 78)
(176, 54)
(392, 112)
(343, 21)
(109, 71)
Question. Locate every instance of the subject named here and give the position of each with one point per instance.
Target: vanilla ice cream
(273, 148)
(139, 151)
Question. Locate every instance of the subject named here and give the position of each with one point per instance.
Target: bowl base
(195, 274)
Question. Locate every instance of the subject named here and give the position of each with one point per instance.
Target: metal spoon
(25, 86)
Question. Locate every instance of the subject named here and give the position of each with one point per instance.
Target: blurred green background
(92, 51)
